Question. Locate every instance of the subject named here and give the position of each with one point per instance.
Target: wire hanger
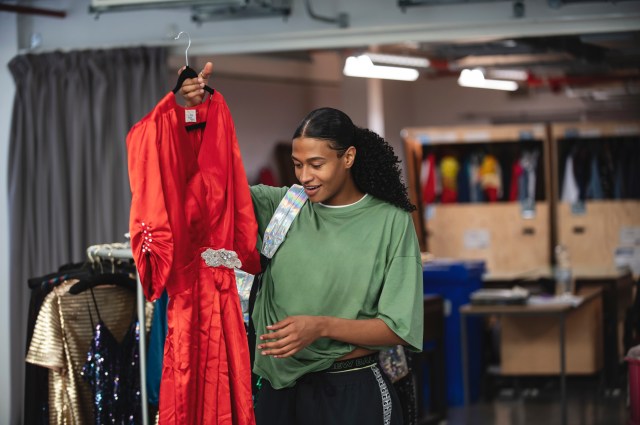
(188, 72)
(186, 52)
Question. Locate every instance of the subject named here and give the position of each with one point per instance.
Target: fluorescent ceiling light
(509, 74)
(362, 66)
(475, 78)
(410, 61)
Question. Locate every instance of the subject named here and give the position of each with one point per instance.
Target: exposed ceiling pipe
(342, 19)
(555, 4)
(556, 84)
(409, 3)
(517, 6)
(25, 10)
(256, 9)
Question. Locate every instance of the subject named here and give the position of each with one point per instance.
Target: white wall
(264, 114)
(8, 49)
(443, 102)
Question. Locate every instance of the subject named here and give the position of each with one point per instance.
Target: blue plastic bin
(455, 280)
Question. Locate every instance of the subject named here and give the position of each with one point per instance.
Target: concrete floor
(539, 404)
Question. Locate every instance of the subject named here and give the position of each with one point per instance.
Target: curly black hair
(375, 169)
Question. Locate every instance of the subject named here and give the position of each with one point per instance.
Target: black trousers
(362, 396)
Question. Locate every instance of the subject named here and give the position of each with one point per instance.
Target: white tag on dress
(190, 115)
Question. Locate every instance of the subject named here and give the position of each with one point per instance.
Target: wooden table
(617, 296)
(559, 311)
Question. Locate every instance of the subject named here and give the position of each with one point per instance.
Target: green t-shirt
(360, 261)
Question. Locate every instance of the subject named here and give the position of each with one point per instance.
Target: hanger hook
(90, 255)
(186, 57)
(113, 260)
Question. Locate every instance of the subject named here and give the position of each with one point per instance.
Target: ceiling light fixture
(509, 74)
(475, 78)
(362, 66)
(409, 61)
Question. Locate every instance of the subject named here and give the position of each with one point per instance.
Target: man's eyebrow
(315, 158)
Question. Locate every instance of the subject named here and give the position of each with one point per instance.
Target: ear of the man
(350, 156)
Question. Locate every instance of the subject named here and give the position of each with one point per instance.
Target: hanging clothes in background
(62, 338)
(36, 397)
(516, 175)
(594, 187)
(491, 178)
(428, 180)
(505, 161)
(601, 169)
(157, 336)
(629, 154)
(449, 168)
(527, 181)
(581, 168)
(570, 191)
(475, 184)
(508, 172)
(463, 182)
(606, 170)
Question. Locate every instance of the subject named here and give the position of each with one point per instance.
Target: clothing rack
(122, 251)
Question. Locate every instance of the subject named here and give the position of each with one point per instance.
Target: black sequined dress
(112, 370)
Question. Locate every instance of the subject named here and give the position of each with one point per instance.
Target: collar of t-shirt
(344, 206)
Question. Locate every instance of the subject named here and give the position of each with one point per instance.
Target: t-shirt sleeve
(400, 304)
(46, 348)
(151, 237)
(265, 202)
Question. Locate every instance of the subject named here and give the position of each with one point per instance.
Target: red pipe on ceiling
(25, 10)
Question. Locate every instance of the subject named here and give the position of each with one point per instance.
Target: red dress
(190, 193)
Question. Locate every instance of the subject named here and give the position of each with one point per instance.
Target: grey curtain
(68, 183)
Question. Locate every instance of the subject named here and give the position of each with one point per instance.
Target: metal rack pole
(143, 352)
(106, 252)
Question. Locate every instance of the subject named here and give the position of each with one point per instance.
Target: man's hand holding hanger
(193, 88)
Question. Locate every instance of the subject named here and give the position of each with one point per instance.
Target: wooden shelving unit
(513, 242)
(592, 234)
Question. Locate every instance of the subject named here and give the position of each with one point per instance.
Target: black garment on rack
(606, 169)
(113, 372)
(464, 195)
(582, 168)
(629, 155)
(36, 378)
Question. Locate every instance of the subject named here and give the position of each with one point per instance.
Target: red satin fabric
(190, 193)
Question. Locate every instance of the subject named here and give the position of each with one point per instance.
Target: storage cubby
(500, 225)
(596, 215)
